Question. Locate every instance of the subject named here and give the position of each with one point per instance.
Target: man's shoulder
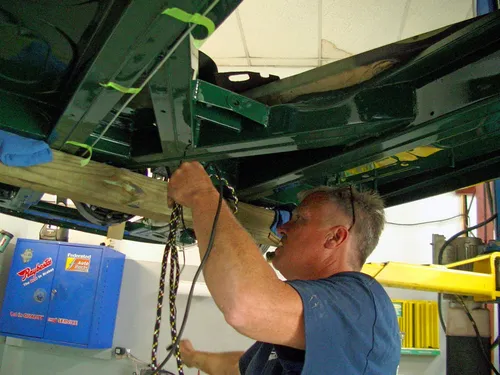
(348, 307)
(361, 279)
(344, 288)
(349, 275)
(350, 279)
(364, 283)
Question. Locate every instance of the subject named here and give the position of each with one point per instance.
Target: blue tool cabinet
(62, 293)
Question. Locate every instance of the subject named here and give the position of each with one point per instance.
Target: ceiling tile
(255, 61)
(428, 15)
(328, 61)
(281, 28)
(355, 28)
(226, 40)
(331, 51)
(234, 61)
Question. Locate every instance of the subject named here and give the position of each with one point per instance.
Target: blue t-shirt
(350, 326)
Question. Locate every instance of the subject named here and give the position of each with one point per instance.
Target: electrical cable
(440, 312)
(484, 352)
(456, 235)
(440, 296)
(424, 222)
(470, 204)
(495, 343)
(170, 254)
(468, 213)
(440, 260)
(493, 207)
(197, 274)
(135, 359)
(138, 361)
(183, 259)
(195, 278)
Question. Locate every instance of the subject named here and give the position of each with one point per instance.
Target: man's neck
(324, 273)
(336, 265)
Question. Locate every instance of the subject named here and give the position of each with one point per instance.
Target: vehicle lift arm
(481, 283)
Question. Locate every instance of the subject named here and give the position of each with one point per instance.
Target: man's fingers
(186, 345)
(170, 202)
(186, 183)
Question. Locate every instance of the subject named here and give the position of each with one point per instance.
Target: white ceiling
(298, 35)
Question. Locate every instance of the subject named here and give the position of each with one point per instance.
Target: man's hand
(211, 363)
(188, 184)
(187, 352)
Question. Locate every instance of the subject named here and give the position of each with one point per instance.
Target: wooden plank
(117, 189)
(116, 231)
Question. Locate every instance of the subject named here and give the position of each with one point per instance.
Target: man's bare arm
(245, 288)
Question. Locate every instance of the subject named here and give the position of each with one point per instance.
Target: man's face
(304, 237)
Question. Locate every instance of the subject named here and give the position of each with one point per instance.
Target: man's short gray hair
(369, 214)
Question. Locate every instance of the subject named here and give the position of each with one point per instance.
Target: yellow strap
(122, 89)
(196, 18)
(85, 161)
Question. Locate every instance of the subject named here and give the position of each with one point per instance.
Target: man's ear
(336, 236)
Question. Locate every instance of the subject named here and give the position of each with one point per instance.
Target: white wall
(136, 313)
(412, 244)
(206, 326)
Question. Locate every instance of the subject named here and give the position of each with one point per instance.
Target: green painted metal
(456, 106)
(24, 117)
(212, 95)
(153, 36)
(420, 352)
(441, 89)
(216, 116)
(287, 138)
(472, 40)
(170, 96)
(297, 126)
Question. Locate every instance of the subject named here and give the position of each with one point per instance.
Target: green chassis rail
(412, 119)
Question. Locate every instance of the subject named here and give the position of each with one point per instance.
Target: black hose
(484, 352)
(449, 240)
(440, 261)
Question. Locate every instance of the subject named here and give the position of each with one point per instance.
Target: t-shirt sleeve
(339, 318)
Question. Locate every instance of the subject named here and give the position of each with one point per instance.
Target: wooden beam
(117, 189)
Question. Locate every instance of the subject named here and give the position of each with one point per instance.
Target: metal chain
(172, 253)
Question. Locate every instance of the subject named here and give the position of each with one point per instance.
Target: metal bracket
(214, 96)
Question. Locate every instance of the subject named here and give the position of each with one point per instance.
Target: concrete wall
(206, 326)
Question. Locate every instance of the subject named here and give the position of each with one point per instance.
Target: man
(328, 318)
